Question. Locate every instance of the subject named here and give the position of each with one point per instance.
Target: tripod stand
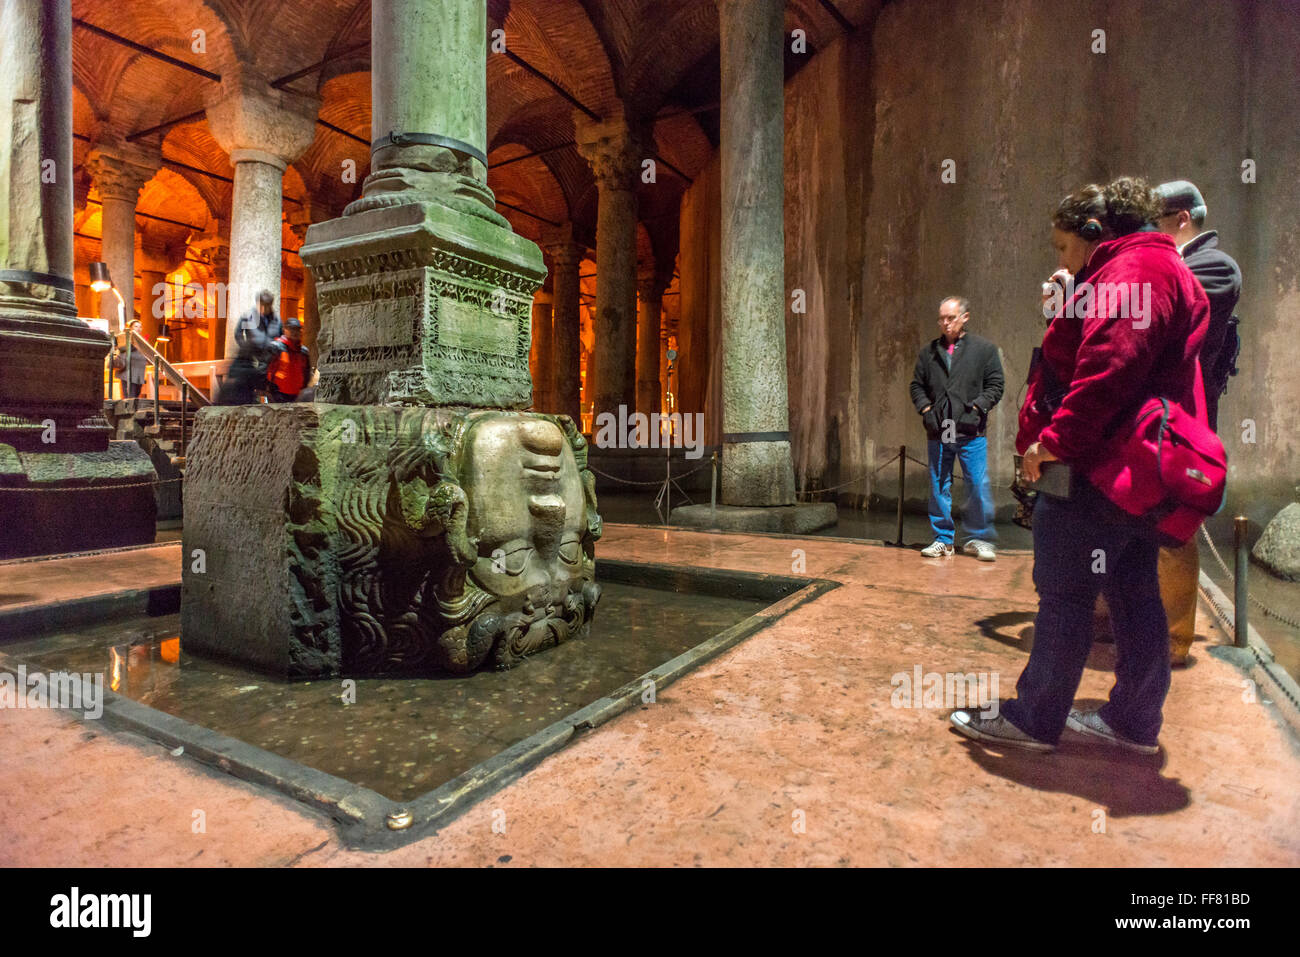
(663, 501)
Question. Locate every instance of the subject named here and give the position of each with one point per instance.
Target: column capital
(651, 283)
(613, 148)
(560, 245)
(119, 171)
(253, 122)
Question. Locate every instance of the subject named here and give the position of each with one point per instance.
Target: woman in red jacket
(1129, 327)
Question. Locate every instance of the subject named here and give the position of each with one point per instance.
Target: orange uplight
(170, 651)
(116, 682)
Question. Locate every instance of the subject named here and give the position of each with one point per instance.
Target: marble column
(119, 172)
(63, 485)
(566, 326)
(544, 339)
(263, 130)
(425, 235)
(428, 93)
(757, 468)
(50, 362)
(614, 152)
(649, 326)
(153, 304)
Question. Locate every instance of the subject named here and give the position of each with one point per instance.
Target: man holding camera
(958, 380)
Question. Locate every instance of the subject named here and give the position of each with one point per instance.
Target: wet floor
(401, 737)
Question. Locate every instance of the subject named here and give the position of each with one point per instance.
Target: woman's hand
(1059, 278)
(1032, 463)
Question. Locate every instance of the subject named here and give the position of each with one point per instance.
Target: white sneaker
(938, 549)
(984, 551)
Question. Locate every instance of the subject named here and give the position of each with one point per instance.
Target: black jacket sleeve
(920, 383)
(994, 381)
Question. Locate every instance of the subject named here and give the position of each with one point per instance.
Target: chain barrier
(94, 488)
(676, 475)
(889, 461)
(1286, 620)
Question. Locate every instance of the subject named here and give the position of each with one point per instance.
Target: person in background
(132, 379)
(957, 381)
(1096, 363)
(257, 329)
(289, 370)
(1183, 218)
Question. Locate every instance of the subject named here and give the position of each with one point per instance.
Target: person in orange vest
(290, 366)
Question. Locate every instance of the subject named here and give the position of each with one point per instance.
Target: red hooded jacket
(1110, 363)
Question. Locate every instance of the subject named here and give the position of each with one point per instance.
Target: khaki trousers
(1180, 570)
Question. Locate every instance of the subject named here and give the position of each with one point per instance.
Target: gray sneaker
(996, 731)
(1090, 723)
(938, 549)
(982, 550)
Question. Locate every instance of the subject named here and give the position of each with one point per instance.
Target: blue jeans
(1072, 540)
(977, 516)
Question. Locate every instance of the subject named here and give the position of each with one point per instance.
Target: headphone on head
(1091, 230)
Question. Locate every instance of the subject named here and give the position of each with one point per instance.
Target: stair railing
(173, 375)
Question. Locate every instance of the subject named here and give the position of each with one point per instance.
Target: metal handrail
(173, 375)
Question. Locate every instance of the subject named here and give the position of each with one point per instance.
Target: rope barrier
(93, 488)
(1286, 620)
(676, 475)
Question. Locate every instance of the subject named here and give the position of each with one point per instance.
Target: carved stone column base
(50, 367)
(423, 304)
(384, 540)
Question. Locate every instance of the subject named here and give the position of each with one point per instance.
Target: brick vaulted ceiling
(655, 60)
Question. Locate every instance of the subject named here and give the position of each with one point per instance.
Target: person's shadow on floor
(1124, 783)
(1002, 629)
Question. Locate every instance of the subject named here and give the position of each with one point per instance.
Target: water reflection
(401, 737)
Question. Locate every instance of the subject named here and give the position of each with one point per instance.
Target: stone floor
(784, 751)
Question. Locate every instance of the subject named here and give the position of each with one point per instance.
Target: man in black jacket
(1218, 274)
(257, 330)
(1220, 277)
(958, 380)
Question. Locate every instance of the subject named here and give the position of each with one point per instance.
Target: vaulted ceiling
(656, 60)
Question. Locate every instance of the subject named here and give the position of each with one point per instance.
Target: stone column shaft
(544, 336)
(50, 362)
(613, 150)
(566, 326)
(650, 297)
(54, 444)
(154, 304)
(254, 235)
(264, 131)
(756, 464)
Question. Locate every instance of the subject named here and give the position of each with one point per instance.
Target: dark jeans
(1071, 540)
(133, 389)
(275, 395)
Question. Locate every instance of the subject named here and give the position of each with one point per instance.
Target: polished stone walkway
(786, 750)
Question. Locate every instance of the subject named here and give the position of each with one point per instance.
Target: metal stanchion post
(713, 493)
(1240, 594)
(902, 480)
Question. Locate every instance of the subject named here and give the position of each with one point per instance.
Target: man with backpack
(290, 366)
(1183, 218)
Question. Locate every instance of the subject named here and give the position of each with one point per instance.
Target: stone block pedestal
(382, 540)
